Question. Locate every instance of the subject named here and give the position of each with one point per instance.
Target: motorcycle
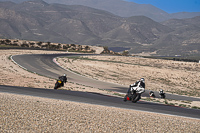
(151, 94)
(133, 96)
(162, 95)
(59, 83)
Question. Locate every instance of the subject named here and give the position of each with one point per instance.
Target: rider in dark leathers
(162, 94)
(63, 79)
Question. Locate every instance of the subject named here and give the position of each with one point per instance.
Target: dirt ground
(172, 76)
(13, 75)
(33, 114)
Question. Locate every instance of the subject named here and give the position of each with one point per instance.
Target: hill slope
(124, 8)
(40, 21)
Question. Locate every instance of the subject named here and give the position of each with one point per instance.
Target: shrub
(195, 107)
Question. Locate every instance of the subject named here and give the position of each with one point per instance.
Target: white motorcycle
(134, 95)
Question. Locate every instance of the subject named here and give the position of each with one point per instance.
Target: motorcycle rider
(151, 94)
(63, 79)
(161, 93)
(140, 84)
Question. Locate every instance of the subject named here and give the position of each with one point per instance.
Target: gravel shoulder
(33, 114)
(174, 77)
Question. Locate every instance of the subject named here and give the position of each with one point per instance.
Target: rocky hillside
(81, 25)
(124, 8)
(184, 39)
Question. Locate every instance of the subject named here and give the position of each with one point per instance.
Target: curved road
(44, 65)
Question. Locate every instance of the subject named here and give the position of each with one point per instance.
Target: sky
(173, 6)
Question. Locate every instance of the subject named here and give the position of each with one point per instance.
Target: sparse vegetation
(195, 107)
(185, 104)
(170, 81)
(118, 94)
(182, 105)
(125, 53)
(47, 45)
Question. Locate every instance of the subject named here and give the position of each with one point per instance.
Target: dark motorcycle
(58, 84)
(133, 96)
(162, 95)
(151, 94)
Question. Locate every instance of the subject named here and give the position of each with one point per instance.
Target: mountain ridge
(125, 8)
(88, 26)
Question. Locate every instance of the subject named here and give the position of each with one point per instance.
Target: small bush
(182, 105)
(171, 104)
(166, 102)
(195, 107)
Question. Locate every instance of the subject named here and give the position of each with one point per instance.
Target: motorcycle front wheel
(136, 98)
(56, 86)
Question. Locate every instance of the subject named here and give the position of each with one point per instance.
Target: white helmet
(142, 79)
(64, 75)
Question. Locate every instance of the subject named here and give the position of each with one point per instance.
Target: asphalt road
(99, 99)
(44, 65)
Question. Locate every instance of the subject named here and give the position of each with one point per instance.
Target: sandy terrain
(171, 76)
(33, 114)
(13, 75)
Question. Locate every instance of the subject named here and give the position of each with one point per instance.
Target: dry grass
(20, 113)
(171, 76)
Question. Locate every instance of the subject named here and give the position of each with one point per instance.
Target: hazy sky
(172, 6)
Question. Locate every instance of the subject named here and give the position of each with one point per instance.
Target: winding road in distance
(43, 64)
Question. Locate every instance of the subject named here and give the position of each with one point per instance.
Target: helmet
(142, 79)
(161, 91)
(64, 75)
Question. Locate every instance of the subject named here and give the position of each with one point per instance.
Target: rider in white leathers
(139, 86)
